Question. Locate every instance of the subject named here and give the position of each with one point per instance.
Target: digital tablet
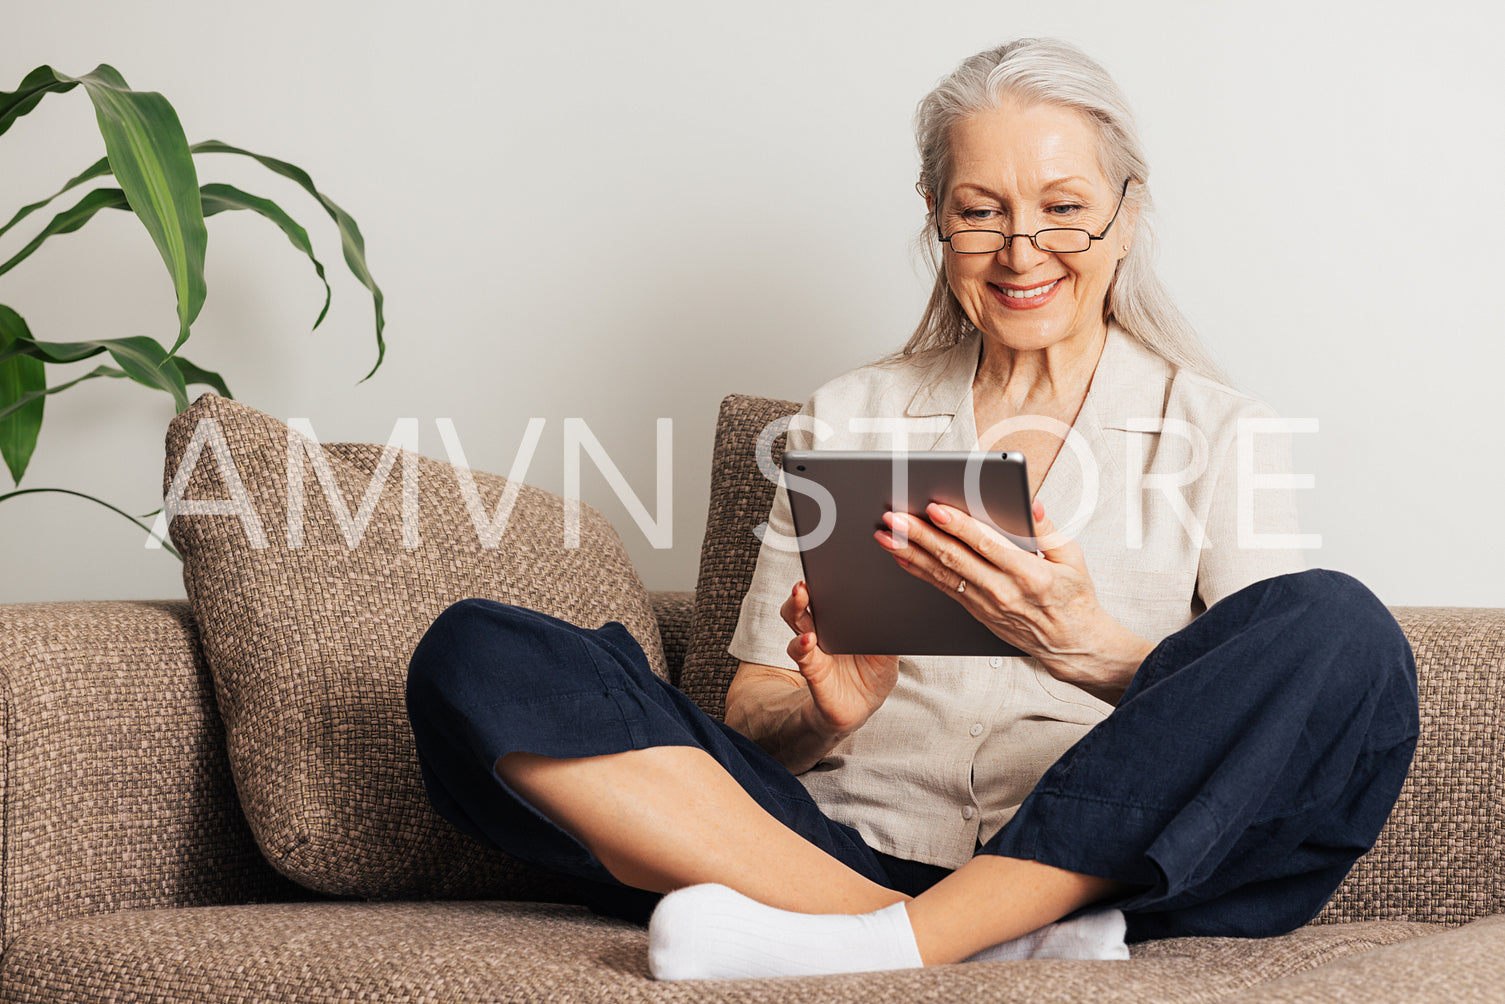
(862, 602)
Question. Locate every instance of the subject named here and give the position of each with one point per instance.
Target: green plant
(148, 154)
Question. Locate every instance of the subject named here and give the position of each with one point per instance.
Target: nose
(1019, 253)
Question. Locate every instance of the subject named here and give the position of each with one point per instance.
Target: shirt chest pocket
(1057, 701)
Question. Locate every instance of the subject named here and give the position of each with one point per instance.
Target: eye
(979, 215)
(1064, 209)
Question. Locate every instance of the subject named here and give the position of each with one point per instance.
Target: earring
(1126, 247)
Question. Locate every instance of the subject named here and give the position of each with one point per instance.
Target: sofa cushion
(470, 953)
(1453, 967)
(741, 497)
(309, 640)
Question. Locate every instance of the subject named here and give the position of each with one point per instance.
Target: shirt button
(968, 812)
(996, 661)
(976, 729)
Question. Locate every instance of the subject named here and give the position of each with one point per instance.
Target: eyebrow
(1052, 185)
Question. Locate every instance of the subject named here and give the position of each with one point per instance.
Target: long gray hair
(1049, 71)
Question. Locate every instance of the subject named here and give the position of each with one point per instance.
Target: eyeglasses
(1056, 240)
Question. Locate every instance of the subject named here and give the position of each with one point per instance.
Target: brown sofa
(136, 862)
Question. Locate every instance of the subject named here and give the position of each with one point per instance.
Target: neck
(1031, 380)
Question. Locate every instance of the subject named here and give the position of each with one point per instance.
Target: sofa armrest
(673, 610)
(115, 792)
(1438, 858)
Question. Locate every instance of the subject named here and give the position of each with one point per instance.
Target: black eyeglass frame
(1008, 239)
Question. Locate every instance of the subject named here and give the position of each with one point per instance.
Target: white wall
(626, 211)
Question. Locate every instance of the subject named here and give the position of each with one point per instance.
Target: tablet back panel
(860, 599)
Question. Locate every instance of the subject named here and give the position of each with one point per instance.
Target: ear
(927, 195)
(1127, 218)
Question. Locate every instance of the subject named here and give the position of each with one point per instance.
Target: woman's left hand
(1042, 604)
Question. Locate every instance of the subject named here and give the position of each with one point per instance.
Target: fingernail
(938, 513)
(903, 562)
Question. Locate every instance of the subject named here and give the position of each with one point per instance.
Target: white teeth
(1028, 294)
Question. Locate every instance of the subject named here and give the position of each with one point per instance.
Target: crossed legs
(1291, 660)
(667, 817)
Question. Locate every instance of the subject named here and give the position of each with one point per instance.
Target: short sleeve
(1252, 527)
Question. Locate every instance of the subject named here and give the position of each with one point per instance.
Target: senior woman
(1202, 739)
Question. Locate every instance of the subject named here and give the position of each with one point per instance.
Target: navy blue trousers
(1254, 757)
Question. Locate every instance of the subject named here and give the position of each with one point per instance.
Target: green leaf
(143, 359)
(150, 158)
(52, 352)
(98, 371)
(66, 491)
(351, 241)
(218, 198)
(21, 378)
(195, 374)
(145, 362)
(98, 169)
(191, 375)
(70, 220)
(34, 87)
(215, 198)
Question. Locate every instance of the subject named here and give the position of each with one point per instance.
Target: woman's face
(1020, 169)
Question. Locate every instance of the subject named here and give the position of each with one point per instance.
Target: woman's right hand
(846, 689)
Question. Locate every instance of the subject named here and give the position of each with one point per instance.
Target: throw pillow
(308, 618)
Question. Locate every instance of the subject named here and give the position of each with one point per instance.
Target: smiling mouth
(1027, 294)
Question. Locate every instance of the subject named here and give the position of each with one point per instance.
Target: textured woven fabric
(674, 611)
(1465, 966)
(309, 644)
(116, 791)
(458, 953)
(740, 500)
(1438, 858)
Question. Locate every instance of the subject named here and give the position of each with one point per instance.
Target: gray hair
(1049, 71)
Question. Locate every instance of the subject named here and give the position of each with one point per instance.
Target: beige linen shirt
(1163, 481)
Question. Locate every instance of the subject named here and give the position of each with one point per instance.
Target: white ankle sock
(1097, 935)
(713, 932)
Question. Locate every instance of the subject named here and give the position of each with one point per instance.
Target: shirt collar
(1130, 381)
(945, 386)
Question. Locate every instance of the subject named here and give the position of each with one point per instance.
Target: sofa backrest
(740, 499)
(1438, 857)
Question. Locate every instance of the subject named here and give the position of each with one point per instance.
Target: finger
(906, 536)
(802, 649)
(804, 620)
(791, 608)
(917, 559)
(795, 609)
(990, 545)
